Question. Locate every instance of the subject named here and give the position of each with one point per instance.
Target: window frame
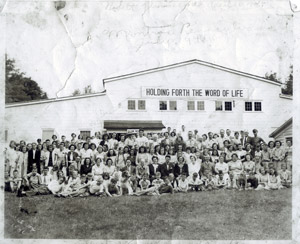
(200, 101)
(219, 110)
(134, 102)
(231, 106)
(260, 104)
(159, 105)
(138, 103)
(169, 108)
(187, 106)
(253, 106)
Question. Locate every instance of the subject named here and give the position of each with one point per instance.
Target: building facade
(197, 94)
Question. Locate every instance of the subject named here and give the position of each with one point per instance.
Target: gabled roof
(50, 100)
(282, 127)
(193, 61)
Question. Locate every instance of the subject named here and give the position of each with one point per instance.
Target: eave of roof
(133, 124)
(282, 127)
(193, 61)
(50, 100)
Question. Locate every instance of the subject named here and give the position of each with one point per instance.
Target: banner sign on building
(165, 92)
(133, 131)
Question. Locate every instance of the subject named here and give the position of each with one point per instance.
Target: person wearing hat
(167, 167)
(73, 138)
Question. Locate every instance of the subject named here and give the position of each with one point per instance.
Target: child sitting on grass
(15, 181)
(144, 182)
(195, 184)
(125, 184)
(274, 182)
(111, 189)
(165, 187)
(263, 178)
(222, 182)
(96, 187)
(183, 184)
(210, 182)
(231, 182)
(157, 181)
(285, 177)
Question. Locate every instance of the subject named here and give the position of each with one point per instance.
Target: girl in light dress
(109, 168)
(263, 180)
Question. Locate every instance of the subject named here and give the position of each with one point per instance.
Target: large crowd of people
(147, 164)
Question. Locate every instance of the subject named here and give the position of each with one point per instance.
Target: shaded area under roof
(133, 124)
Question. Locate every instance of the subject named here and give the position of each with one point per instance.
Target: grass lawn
(193, 216)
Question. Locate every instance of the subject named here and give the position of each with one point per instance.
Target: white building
(198, 94)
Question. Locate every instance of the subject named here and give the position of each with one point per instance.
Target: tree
(288, 89)
(18, 87)
(76, 92)
(86, 90)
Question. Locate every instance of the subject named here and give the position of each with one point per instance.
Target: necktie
(44, 179)
(50, 160)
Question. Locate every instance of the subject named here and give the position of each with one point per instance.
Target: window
(253, 106)
(289, 139)
(248, 106)
(190, 105)
(200, 105)
(131, 104)
(257, 106)
(173, 105)
(47, 134)
(163, 105)
(85, 133)
(141, 104)
(219, 106)
(228, 106)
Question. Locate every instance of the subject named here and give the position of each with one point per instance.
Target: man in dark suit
(246, 139)
(166, 168)
(34, 156)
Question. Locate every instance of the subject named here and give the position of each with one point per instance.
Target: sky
(84, 42)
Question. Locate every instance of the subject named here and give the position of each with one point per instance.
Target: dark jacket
(165, 170)
(178, 171)
(36, 160)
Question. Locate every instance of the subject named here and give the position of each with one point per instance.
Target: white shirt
(33, 153)
(194, 168)
(46, 179)
(183, 185)
(142, 141)
(96, 188)
(97, 170)
(222, 167)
